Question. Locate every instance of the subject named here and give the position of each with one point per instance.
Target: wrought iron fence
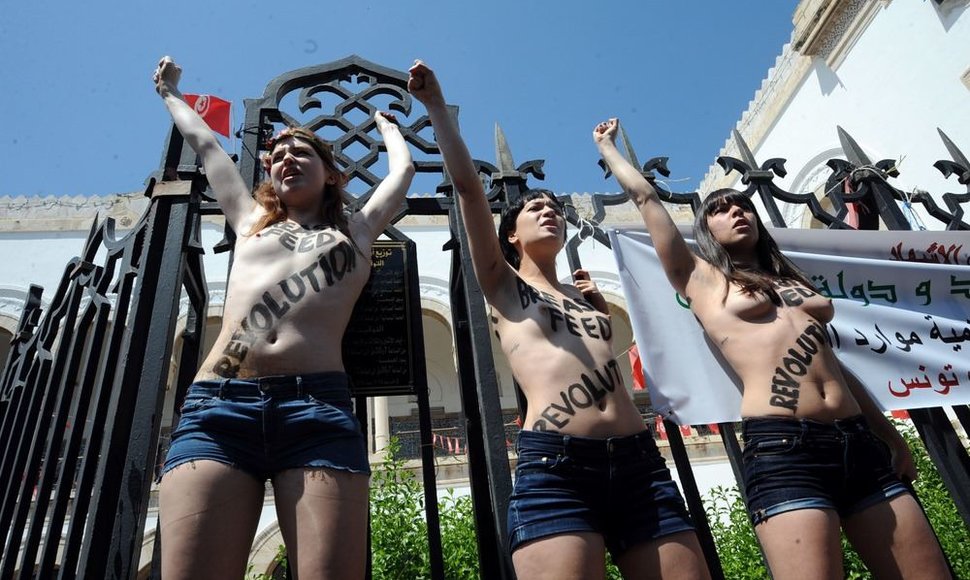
(82, 392)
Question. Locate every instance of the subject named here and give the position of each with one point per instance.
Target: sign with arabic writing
(379, 347)
(902, 319)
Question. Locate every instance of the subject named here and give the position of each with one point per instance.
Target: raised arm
(491, 269)
(390, 193)
(227, 185)
(677, 259)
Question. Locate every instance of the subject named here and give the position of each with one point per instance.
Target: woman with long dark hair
(271, 400)
(589, 476)
(818, 455)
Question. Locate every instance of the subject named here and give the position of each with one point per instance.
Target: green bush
(741, 557)
(940, 510)
(733, 534)
(459, 544)
(399, 532)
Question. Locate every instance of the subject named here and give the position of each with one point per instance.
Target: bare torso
(289, 299)
(779, 352)
(559, 348)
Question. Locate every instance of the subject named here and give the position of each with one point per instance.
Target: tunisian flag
(213, 110)
(637, 367)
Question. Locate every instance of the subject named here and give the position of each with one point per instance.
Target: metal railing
(83, 390)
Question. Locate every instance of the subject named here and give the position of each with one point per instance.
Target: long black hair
(772, 264)
(506, 225)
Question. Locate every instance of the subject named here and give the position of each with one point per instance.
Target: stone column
(382, 426)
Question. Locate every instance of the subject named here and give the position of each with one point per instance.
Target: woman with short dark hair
(589, 475)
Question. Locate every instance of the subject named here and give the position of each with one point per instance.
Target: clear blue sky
(81, 115)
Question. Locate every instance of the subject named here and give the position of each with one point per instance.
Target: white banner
(902, 319)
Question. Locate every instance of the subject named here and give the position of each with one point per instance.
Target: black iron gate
(83, 390)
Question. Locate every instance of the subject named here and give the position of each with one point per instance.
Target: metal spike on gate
(503, 155)
(746, 155)
(631, 155)
(954, 151)
(853, 152)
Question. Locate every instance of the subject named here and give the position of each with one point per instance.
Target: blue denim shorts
(792, 464)
(619, 487)
(266, 425)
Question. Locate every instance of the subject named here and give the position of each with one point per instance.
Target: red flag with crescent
(213, 110)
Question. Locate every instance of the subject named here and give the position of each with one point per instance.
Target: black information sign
(378, 345)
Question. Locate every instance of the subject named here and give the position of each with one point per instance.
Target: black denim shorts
(269, 424)
(619, 487)
(792, 464)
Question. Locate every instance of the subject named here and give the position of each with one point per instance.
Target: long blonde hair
(334, 195)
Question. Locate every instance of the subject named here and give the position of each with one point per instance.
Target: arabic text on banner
(902, 319)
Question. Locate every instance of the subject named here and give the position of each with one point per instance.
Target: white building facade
(889, 72)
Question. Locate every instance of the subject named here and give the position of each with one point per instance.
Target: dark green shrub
(399, 533)
(940, 510)
(459, 545)
(733, 535)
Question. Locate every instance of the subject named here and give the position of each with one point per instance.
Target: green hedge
(399, 533)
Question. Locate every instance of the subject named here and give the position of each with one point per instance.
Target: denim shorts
(793, 464)
(266, 425)
(619, 487)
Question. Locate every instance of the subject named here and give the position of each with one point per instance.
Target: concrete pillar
(382, 426)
